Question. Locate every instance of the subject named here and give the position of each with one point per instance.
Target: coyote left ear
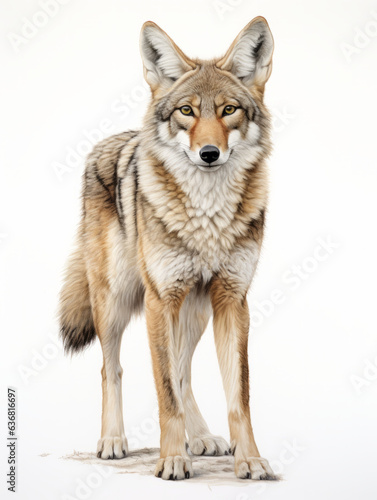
(163, 61)
(250, 55)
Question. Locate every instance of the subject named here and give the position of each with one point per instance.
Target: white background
(308, 356)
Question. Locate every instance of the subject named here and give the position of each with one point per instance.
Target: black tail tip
(76, 339)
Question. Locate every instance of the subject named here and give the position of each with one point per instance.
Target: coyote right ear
(163, 61)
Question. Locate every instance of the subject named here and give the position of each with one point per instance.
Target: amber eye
(229, 110)
(187, 111)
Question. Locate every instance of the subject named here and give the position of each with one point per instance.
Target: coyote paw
(254, 468)
(177, 467)
(209, 445)
(112, 447)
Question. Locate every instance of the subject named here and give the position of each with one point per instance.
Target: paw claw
(110, 448)
(256, 468)
(174, 468)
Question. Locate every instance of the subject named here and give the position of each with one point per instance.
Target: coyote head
(208, 110)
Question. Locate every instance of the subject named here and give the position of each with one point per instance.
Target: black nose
(209, 153)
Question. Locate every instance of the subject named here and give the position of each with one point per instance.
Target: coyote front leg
(162, 315)
(193, 319)
(231, 326)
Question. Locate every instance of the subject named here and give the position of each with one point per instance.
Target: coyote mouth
(210, 168)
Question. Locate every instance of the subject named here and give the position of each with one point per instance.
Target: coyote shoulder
(172, 226)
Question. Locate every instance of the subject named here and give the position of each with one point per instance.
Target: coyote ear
(163, 61)
(250, 55)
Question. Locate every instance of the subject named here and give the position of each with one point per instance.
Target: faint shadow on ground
(209, 470)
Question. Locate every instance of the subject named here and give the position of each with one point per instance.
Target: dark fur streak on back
(136, 175)
(119, 190)
(101, 181)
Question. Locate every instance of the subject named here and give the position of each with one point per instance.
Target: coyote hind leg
(113, 442)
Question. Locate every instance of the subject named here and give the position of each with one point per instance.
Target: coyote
(172, 225)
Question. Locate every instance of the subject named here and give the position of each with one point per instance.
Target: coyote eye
(229, 110)
(187, 111)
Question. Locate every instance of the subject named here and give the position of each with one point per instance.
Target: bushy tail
(75, 312)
